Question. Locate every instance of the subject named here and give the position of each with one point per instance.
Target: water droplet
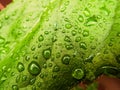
(35, 56)
(86, 12)
(39, 45)
(104, 10)
(34, 68)
(45, 65)
(91, 21)
(118, 58)
(50, 64)
(24, 77)
(33, 48)
(78, 74)
(41, 75)
(110, 44)
(118, 34)
(68, 26)
(41, 38)
(20, 67)
(54, 38)
(2, 40)
(67, 39)
(92, 37)
(46, 32)
(39, 84)
(34, 88)
(47, 53)
(66, 59)
(80, 18)
(73, 32)
(58, 55)
(63, 9)
(83, 45)
(77, 39)
(32, 81)
(27, 58)
(69, 46)
(17, 79)
(15, 87)
(85, 33)
(6, 17)
(56, 68)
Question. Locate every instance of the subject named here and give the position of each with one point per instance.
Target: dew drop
(33, 48)
(40, 38)
(34, 88)
(67, 39)
(32, 81)
(69, 46)
(17, 79)
(73, 32)
(46, 32)
(85, 33)
(58, 55)
(47, 53)
(78, 74)
(24, 77)
(86, 12)
(68, 26)
(54, 38)
(20, 67)
(66, 59)
(15, 87)
(34, 68)
(50, 64)
(45, 65)
(6, 17)
(83, 45)
(91, 21)
(80, 18)
(77, 39)
(56, 68)
(27, 58)
(39, 84)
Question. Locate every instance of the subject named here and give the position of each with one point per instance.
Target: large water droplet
(85, 33)
(41, 38)
(80, 18)
(34, 68)
(56, 68)
(20, 67)
(66, 59)
(78, 74)
(47, 53)
(83, 45)
(15, 87)
(67, 39)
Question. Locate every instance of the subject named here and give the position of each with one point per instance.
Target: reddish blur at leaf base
(4, 3)
(105, 83)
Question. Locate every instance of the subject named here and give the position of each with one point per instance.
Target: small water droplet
(47, 53)
(83, 45)
(58, 55)
(33, 48)
(73, 32)
(66, 59)
(67, 39)
(6, 17)
(4, 68)
(85, 33)
(39, 84)
(35, 57)
(17, 79)
(39, 45)
(20, 67)
(50, 64)
(41, 75)
(45, 65)
(34, 68)
(15, 87)
(110, 44)
(68, 26)
(27, 58)
(41, 38)
(78, 74)
(24, 77)
(62, 9)
(69, 46)
(77, 39)
(46, 32)
(54, 38)
(86, 12)
(81, 18)
(118, 34)
(32, 81)
(56, 68)
(91, 21)
(104, 10)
